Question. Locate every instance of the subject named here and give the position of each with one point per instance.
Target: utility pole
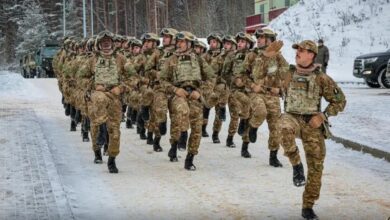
(63, 16)
(91, 17)
(84, 21)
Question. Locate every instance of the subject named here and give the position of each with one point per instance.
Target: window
(287, 3)
(262, 9)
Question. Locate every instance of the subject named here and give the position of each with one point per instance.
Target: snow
(349, 29)
(148, 186)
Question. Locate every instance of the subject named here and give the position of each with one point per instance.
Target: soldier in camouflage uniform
(304, 87)
(200, 47)
(268, 70)
(181, 76)
(159, 102)
(150, 43)
(104, 93)
(243, 102)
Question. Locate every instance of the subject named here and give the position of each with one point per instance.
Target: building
(266, 11)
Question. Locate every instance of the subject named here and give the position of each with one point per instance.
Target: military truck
(28, 66)
(372, 68)
(44, 58)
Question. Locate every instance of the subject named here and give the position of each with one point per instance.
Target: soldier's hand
(116, 90)
(195, 95)
(273, 48)
(100, 88)
(275, 91)
(256, 88)
(238, 82)
(317, 120)
(181, 92)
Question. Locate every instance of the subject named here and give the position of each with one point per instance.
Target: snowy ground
(48, 173)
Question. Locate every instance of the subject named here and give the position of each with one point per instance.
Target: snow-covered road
(46, 172)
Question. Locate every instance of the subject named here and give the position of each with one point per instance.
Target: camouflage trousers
(186, 114)
(272, 104)
(292, 126)
(222, 92)
(209, 96)
(68, 92)
(257, 113)
(80, 101)
(105, 107)
(158, 110)
(238, 102)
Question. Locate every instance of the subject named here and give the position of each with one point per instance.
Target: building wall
(266, 7)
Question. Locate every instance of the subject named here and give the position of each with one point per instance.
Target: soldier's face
(304, 57)
(198, 50)
(167, 40)
(228, 45)
(261, 41)
(242, 44)
(106, 43)
(213, 44)
(181, 45)
(136, 50)
(149, 44)
(125, 45)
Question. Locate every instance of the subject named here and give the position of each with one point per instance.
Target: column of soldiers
(108, 79)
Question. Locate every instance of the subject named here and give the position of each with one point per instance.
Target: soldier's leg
(314, 146)
(217, 125)
(180, 120)
(234, 109)
(258, 113)
(289, 129)
(195, 118)
(273, 115)
(113, 128)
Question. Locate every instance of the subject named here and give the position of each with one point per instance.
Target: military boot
(156, 144)
(182, 144)
(242, 126)
(67, 109)
(229, 142)
(204, 131)
(112, 165)
(172, 154)
(105, 149)
(85, 136)
(163, 128)
(308, 213)
(299, 175)
(188, 163)
(98, 157)
(142, 134)
(252, 134)
(244, 150)
(145, 113)
(215, 137)
(222, 113)
(73, 125)
(149, 139)
(133, 116)
(273, 159)
(129, 124)
(77, 116)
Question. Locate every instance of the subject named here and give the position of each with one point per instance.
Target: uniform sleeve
(332, 94)
(227, 66)
(166, 76)
(151, 63)
(208, 73)
(283, 68)
(248, 62)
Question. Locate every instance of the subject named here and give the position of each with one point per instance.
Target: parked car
(372, 68)
(44, 58)
(28, 66)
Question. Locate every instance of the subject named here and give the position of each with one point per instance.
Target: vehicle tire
(383, 80)
(372, 84)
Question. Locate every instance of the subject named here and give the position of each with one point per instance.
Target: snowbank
(14, 86)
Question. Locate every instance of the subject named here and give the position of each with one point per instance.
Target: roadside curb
(362, 148)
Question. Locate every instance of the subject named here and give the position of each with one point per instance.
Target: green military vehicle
(28, 66)
(44, 58)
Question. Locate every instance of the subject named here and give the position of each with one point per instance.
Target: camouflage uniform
(185, 70)
(304, 88)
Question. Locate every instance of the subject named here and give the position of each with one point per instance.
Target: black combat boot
(308, 213)
(129, 124)
(105, 148)
(138, 130)
(85, 136)
(67, 109)
(149, 139)
(172, 154)
(163, 128)
(145, 113)
(156, 144)
(244, 150)
(182, 144)
(133, 116)
(252, 134)
(98, 157)
(77, 116)
(222, 113)
(204, 132)
(229, 142)
(112, 165)
(124, 107)
(273, 159)
(215, 137)
(242, 126)
(188, 163)
(299, 175)
(142, 134)
(84, 129)
(73, 125)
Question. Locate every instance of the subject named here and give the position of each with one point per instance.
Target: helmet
(90, 43)
(168, 31)
(118, 37)
(247, 37)
(229, 38)
(185, 35)
(268, 33)
(104, 34)
(150, 36)
(199, 43)
(215, 36)
(136, 42)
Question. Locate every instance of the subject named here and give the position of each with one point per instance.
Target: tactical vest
(238, 62)
(82, 71)
(187, 69)
(303, 95)
(106, 71)
(163, 58)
